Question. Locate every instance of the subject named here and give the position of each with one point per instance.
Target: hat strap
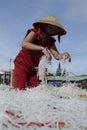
(59, 38)
(38, 32)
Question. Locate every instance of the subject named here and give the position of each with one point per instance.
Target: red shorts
(23, 79)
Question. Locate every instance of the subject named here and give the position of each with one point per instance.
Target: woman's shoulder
(30, 30)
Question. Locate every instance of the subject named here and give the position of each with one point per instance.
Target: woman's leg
(33, 80)
(20, 78)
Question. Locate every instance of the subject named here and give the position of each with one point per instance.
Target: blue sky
(16, 16)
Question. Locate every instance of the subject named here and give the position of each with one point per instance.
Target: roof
(71, 78)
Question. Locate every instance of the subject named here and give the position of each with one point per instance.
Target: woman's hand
(47, 53)
(65, 55)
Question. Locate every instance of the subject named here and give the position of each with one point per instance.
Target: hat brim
(59, 29)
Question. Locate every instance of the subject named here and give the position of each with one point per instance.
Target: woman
(37, 42)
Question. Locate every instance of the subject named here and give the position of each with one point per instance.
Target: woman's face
(51, 30)
(48, 30)
(43, 36)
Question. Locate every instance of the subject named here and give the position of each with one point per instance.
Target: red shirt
(28, 59)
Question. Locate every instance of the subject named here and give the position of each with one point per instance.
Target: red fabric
(38, 32)
(26, 61)
(23, 79)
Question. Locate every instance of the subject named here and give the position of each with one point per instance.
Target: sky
(17, 16)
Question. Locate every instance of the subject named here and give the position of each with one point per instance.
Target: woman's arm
(28, 44)
(59, 56)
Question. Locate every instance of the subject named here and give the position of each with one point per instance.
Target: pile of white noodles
(45, 105)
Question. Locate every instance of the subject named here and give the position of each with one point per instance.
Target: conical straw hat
(52, 20)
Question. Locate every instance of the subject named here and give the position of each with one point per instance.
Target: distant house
(6, 77)
(81, 81)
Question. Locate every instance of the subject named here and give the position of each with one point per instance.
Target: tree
(59, 71)
(64, 72)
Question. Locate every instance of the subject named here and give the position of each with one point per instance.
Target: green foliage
(59, 71)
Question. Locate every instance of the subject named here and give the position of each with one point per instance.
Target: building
(81, 81)
(6, 77)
